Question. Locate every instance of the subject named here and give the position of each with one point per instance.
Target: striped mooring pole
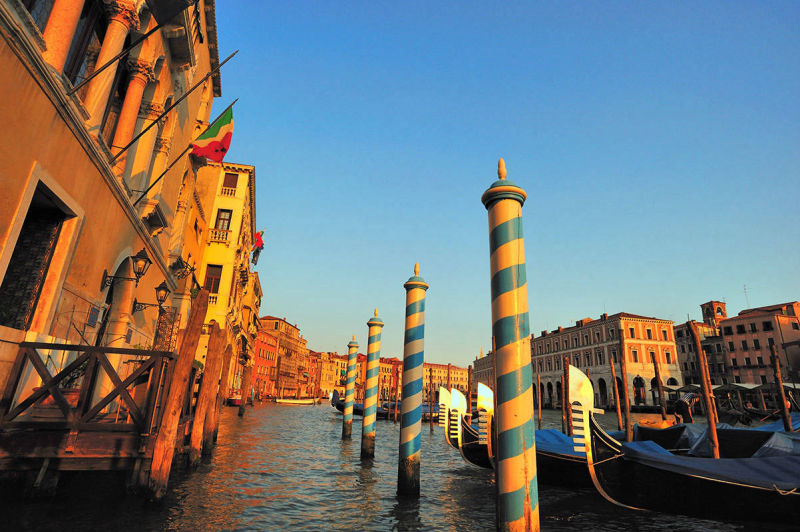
(411, 409)
(517, 491)
(375, 325)
(350, 388)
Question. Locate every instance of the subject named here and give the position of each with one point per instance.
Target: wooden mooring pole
(469, 389)
(247, 379)
(164, 448)
(776, 367)
(660, 386)
(211, 427)
(616, 391)
(567, 399)
(206, 399)
(705, 382)
(431, 396)
(397, 390)
(563, 407)
(626, 401)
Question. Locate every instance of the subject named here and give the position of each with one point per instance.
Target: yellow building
(234, 291)
(444, 375)
(73, 232)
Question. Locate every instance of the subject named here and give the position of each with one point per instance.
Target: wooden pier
(101, 412)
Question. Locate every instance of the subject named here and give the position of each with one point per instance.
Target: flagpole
(171, 107)
(128, 50)
(178, 158)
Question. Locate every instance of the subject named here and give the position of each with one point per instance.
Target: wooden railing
(227, 191)
(87, 393)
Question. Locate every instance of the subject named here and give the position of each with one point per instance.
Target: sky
(659, 145)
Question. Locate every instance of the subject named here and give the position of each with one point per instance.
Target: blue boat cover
(778, 425)
(782, 472)
(554, 441)
(780, 444)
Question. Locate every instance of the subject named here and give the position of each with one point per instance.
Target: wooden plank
(122, 389)
(49, 383)
(103, 349)
(167, 432)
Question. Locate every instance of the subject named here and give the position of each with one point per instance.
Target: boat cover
(554, 441)
(780, 444)
(778, 425)
(782, 472)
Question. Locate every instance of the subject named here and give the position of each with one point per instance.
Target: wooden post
(469, 389)
(761, 400)
(208, 393)
(449, 386)
(212, 424)
(660, 387)
(563, 408)
(539, 401)
(776, 367)
(705, 381)
(567, 399)
(431, 396)
(164, 448)
(396, 390)
(616, 391)
(623, 368)
(247, 378)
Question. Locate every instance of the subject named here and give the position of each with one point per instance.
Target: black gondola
(643, 475)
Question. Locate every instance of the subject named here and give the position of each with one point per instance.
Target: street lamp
(162, 291)
(141, 263)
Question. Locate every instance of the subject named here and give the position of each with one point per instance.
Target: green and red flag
(213, 144)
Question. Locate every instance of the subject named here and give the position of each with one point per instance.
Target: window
(679, 334)
(611, 333)
(756, 344)
(614, 355)
(727, 330)
(540, 349)
(664, 335)
(635, 355)
(686, 366)
(547, 347)
(730, 347)
(85, 46)
(669, 357)
(597, 336)
(588, 358)
(692, 365)
(735, 362)
(753, 327)
(763, 379)
(744, 345)
(575, 341)
(766, 325)
(213, 276)
(652, 357)
(737, 379)
(631, 332)
(39, 10)
(223, 219)
(683, 348)
(649, 334)
(760, 360)
(600, 360)
(230, 180)
(691, 348)
(549, 365)
(555, 346)
(719, 348)
(747, 361)
(795, 325)
(740, 329)
(770, 341)
(585, 339)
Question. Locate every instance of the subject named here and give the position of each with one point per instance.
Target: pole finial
(416, 268)
(501, 169)
(354, 337)
(376, 312)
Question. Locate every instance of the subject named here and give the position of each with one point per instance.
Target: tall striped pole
(350, 389)
(411, 413)
(517, 492)
(371, 387)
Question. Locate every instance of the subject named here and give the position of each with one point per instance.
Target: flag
(213, 144)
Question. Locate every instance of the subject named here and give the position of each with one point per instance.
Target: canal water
(286, 468)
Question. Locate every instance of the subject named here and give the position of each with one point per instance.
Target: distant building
(484, 369)
(264, 367)
(749, 335)
(389, 377)
(590, 344)
(291, 376)
(444, 375)
(711, 342)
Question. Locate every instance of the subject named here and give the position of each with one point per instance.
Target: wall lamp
(180, 268)
(141, 262)
(162, 291)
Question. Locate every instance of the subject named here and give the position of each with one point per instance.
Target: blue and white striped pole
(517, 492)
(371, 387)
(350, 388)
(413, 357)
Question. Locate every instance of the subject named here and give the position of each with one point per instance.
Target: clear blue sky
(659, 145)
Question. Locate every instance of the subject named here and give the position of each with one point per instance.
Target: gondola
(475, 430)
(444, 404)
(358, 408)
(456, 408)
(644, 475)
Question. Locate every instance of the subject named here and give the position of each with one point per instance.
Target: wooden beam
(208, 392)
(165, 441)
(616, 390)
(247, 378)
(776, 368)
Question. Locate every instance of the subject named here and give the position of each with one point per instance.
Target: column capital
(141, 69)
(150, 110)
(163, 145)
(124, 12)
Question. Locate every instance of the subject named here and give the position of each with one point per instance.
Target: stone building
(711, 343)
(264, 361)
(390, 375)
(444, 375)
(591, 343)
(75, 227)
(484, 369)
(292, 357)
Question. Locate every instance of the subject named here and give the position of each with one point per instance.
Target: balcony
(220, 236)
(212, 299)
(229, 192)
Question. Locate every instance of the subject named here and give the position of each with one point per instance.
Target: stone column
(411, 414)
(141, 73)
(375, 325)
(517, 493)
(122, 18)
(60, 30)
(350, 388)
